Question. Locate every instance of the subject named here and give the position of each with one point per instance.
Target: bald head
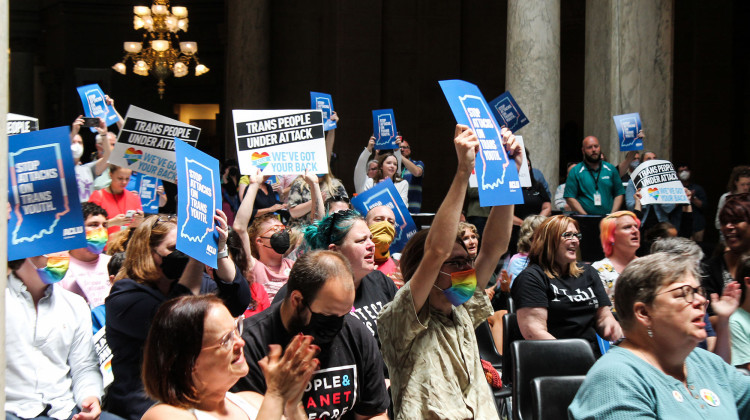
(591, 150)
(379, 214)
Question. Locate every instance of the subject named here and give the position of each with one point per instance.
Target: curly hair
(528, 227)
(331, 229)
(253, 231)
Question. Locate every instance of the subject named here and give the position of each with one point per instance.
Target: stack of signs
(199, 196)
(280, 142)
(45, 213)
(146, 143)
(659, 183)
(145, 186)
(384, 129)
(95, 105)
(628, 126)
(497, 177)
(507, 112)
(19, 124)
(385, 194)
(324, 103)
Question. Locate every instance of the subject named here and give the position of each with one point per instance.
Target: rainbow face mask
(96, 240)
(463, 285)
(57, 266)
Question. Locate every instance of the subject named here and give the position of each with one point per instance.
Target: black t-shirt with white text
(350, 379)
(373, 293)
(571, 302)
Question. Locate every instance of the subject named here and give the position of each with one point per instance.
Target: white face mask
(77, 149)
(684, 175)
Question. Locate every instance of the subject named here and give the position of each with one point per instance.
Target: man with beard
(593, 186)
(349, 382)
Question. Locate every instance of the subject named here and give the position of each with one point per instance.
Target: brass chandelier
(156, 54)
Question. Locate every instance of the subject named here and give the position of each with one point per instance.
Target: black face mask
(323, 328)
(280, 242)
(173, 265)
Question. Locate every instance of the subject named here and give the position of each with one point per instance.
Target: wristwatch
(223, 253)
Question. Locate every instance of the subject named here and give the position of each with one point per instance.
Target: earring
(650, 333)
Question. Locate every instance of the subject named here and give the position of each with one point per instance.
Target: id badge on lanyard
(597, 199)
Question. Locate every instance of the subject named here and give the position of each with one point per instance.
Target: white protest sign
(280, 142)
(146, 143)
(659, 183)
(523, 174)
(19, 124)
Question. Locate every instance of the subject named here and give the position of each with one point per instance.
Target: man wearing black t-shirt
(319, 297)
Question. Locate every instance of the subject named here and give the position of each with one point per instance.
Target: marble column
(629, 49)
(533, 77)
(248, 61)
(3, 179)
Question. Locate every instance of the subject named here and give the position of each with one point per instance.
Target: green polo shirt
(583, 183)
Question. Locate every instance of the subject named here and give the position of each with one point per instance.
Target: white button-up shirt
(50, 357)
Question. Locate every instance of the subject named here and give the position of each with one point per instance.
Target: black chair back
(535, 358)
(511, 333)
(486, 345)
(551, 395)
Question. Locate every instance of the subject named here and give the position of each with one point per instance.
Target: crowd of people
(312, 314)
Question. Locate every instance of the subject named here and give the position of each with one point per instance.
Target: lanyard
(598, 173)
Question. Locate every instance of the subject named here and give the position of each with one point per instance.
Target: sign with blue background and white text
(145, 186)
(507, 112)
(497, 177)
(198, 198)
(95, 105)
(385, 194)
(45, 212)
(146, 143)
(280, 141)
(324, 103)
(384, 129)
(628, 126)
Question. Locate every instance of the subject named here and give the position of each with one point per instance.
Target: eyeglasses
(568, 236)
(275, 229)
(688, 292)
(228, 339)
(163, 218)
(459, 263)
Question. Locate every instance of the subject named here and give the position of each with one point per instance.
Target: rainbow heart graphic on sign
(654, 193)
(260, 160)
(132, 155)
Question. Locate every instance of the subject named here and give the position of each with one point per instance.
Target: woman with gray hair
(657, 371)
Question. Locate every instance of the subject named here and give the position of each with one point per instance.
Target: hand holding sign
(467, 146)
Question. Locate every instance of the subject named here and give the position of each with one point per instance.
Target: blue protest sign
(198, 195)
(507, 112)
(497, 177)
(384, 128)
(45, 212)
(323, 102)
(145, 186)
(628, 126)
(94, 104)
(385, 194)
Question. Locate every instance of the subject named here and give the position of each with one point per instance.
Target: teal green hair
(331, 229)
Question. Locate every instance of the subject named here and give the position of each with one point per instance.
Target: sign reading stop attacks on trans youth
(280, 142)
(45, 212)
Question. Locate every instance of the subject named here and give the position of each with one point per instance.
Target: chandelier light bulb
(120, 68)
(160, 45)
(141, 10)
(171, 22)
(179, 11)
(148, 23)
(180, 69)
(133, 47)
(188, 47)
(159, 9)
(140, 68)
(137, 23)
(182, 24)
(200, 69)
